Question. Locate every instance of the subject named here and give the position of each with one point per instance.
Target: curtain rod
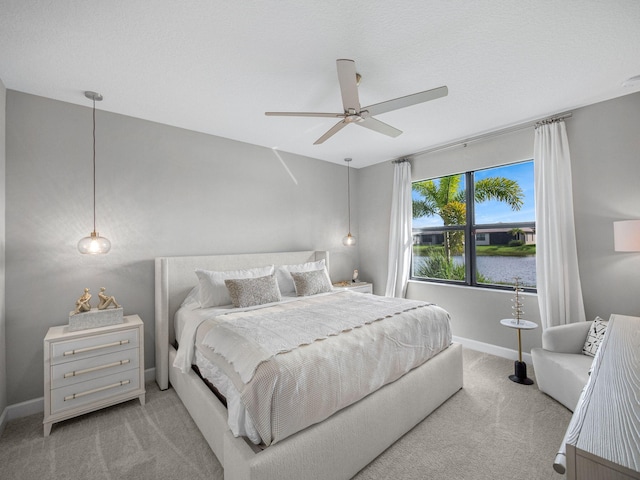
(495, 133)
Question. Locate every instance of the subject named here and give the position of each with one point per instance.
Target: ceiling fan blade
(304, 114)
(331, 132)
(348, 85)
(407, 101)
(380, 127)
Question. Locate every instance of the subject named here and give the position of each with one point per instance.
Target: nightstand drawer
(70, 350)
(91, 391)
(81, 370)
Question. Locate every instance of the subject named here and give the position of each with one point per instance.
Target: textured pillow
(213, 291)
(246, 292)
(283, 274)
(311, 283)
(595, 336)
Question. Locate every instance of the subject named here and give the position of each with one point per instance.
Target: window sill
(508, 290)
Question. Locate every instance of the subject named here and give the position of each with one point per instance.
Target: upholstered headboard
(175, 277)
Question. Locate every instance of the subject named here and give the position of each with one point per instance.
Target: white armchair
(560, 367)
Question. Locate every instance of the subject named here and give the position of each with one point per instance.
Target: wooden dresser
(603, 437)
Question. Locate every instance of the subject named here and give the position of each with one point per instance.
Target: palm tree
(446, 199)
(516, 233)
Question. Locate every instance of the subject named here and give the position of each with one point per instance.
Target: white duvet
(281, 378)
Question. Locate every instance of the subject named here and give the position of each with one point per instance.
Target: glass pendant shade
(349, 240)
(94, 244)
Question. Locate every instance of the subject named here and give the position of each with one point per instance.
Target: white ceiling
(216, 66)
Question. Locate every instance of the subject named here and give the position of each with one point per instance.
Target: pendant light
(349, 240)
(94, 243)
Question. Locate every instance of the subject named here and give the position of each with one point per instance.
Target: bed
(337, 447)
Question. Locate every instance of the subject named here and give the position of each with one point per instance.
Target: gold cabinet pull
(75, 373)
(95, 390)
(96, 347)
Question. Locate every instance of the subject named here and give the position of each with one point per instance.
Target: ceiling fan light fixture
(94, 244)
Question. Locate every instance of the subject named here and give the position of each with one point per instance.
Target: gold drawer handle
(97, 347)
(93, 369)
(95, 390)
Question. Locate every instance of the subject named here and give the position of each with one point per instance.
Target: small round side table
(520, 375)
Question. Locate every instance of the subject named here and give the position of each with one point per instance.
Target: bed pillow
(246, 292)
(192, 300)
(283, 274)
(311, 282)
(595, 336)
(213, 291)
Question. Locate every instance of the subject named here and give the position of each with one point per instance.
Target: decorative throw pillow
(283, 274)
(246, 292)
(213, 291)
(595, 336)
(311, 282)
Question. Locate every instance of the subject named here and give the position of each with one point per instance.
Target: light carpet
(491, 429)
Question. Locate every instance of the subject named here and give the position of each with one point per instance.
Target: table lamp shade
(626, 236)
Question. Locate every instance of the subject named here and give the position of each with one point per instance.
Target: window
(476, 228)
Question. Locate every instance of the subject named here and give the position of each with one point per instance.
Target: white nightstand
(91, 369)
(364, 287)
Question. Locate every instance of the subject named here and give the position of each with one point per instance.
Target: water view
(499, 269)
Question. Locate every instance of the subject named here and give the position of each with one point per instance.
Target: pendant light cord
(94, 244)
(349, 194)
(94, 164)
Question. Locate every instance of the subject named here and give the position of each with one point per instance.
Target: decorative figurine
(518, 312)
(82, 304)
(106, 300)
(354, 279)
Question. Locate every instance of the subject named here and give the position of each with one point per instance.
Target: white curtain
(558, 279)
(400, 238)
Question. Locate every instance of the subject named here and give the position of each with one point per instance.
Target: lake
(503, 269)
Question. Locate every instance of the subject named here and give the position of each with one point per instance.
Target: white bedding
(190, 316)
(293, 390)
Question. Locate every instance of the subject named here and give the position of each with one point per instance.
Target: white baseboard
(493, 349)
(149, 375)
(24, 409)
(31, 407)
(3, 421)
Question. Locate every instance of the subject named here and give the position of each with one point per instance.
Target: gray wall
(160, 191)
(3, 359)
(605, 151)
(605, 154)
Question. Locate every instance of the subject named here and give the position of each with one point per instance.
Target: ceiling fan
(349, 80)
